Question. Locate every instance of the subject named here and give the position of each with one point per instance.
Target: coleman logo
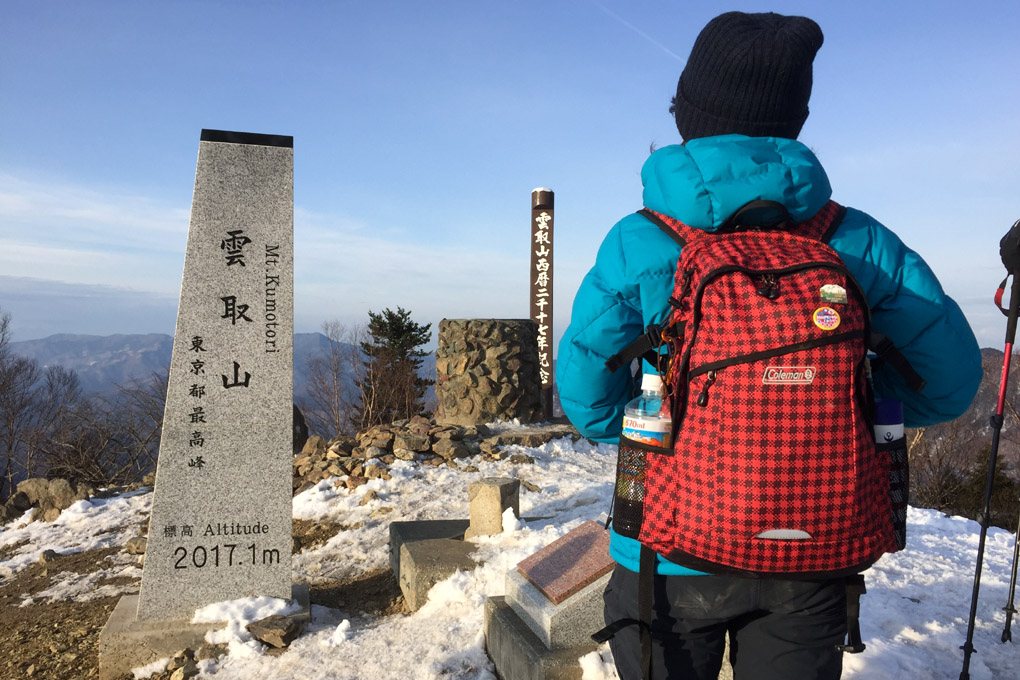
(789, 375)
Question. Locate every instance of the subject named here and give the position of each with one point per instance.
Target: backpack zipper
(703, 396)
(678, 405)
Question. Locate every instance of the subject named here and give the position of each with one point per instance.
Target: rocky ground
(59, 640)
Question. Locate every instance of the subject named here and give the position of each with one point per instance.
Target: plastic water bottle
(890, 439)
(644, 419)
(646, 426)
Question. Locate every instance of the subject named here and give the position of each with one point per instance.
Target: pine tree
(391, 388)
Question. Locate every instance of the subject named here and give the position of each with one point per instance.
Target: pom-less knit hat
(748, 74)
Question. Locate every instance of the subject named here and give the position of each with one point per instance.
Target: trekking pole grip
(1009, 253)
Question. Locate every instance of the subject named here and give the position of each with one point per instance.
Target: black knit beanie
(748, 74)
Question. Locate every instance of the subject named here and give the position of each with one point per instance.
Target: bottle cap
(888, 411)
(651, 382)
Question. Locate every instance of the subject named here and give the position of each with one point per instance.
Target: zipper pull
(768, 286)
(703, 396)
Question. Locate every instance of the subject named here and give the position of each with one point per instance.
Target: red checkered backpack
(773, 468)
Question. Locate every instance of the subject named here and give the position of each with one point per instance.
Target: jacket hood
(706, 180)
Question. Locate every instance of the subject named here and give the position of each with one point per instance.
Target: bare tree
(941, 457)
(57, 399)
(140, 405)
(36, 408)
(332, 395)
(18, 377)
(107, 442)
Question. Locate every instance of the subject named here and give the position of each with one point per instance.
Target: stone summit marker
(220, 526)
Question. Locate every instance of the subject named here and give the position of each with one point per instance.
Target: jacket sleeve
(909, 307)
(604, 319)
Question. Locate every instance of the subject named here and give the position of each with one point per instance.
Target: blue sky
(420, 129)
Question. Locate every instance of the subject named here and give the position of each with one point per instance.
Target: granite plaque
(220, 526)
(570, 563)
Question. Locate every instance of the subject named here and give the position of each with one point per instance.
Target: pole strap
(854, 589)
(646, 598)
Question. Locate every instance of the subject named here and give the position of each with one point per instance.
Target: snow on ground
(914, 616)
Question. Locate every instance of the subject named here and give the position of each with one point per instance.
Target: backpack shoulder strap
(674, 228)
(823, 224)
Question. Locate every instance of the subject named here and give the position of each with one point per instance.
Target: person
(740, 104)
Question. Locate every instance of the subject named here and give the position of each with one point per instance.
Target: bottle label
(651, 431)
(888, 433)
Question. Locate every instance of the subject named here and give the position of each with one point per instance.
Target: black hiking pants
(779, 630)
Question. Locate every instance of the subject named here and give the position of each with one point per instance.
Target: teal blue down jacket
(701, 184)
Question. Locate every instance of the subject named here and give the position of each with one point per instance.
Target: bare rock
(342, 445)
(84, 492)
(450, 449)
(374, 471)
(36, 489)
(404, 454)
(19, 502)
(47, 556)
(276, 631)
(375, 452)
(314, 445)
(61, 494)
(136, 545)
(50, 514)
(411, 442)
(188, 670)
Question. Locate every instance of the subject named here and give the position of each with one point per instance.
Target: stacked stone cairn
(486, 370)
(419, 440)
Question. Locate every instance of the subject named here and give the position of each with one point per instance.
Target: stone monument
(220, 525)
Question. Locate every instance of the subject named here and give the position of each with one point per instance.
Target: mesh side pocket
(899, 487)
(629, 494)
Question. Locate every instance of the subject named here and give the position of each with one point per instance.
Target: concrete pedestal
(559, 626)
(127, 642)
(423, 553)
(519, 654)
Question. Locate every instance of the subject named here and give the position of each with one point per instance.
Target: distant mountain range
(104, 361)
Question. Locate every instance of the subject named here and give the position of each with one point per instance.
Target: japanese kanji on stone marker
(220, 526)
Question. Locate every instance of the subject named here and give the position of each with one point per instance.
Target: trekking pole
(1009, 251)
(1007, 636)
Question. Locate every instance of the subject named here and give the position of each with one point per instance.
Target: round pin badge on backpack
(826, 318)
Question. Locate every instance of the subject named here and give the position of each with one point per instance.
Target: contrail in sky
(637, 30)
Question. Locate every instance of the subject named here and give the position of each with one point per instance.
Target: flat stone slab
(127, 642)
(570, 563)
(519, 654)
(423, 553)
